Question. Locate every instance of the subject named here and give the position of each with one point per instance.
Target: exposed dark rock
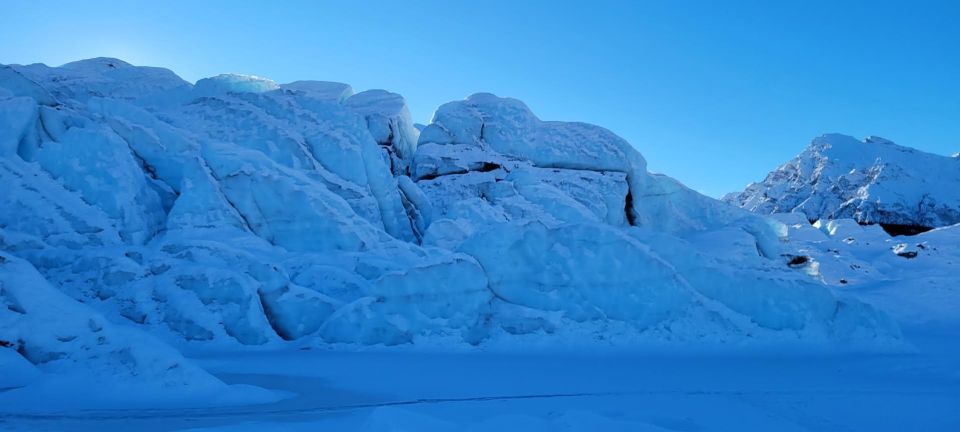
(906, 230)
(908, 254)
(797, 260)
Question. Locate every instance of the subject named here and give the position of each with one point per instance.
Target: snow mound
(873, 181)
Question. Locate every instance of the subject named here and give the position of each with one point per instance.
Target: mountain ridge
(874, 181)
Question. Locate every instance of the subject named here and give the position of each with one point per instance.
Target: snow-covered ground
(242, 253)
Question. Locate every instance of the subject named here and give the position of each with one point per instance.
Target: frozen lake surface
(420, 391)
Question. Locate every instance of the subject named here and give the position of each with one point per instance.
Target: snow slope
(237, 212)
(871, 181)
(910, 277)
(81, 352)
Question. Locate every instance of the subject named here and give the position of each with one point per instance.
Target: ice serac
(508, 127)
(485, 129)
(322, 90)
(489, 160)
(599, 172)
(390, 124)
(233, 83)
(320, 139)
(872, 181)
(308, 217)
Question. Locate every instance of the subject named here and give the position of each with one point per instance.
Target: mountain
(873, 181)
(240, 212)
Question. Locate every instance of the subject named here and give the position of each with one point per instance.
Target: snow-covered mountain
(240, 212)
(873, 181)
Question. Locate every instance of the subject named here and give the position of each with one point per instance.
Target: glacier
(242, 214)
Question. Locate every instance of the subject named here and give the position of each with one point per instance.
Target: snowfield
(325, 263)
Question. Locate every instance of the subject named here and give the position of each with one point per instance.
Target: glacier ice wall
(238, 211)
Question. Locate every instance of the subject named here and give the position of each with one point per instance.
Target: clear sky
(714, 93)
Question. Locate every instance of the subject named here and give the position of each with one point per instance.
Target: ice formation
(241, 212)
(872, 181)
(42, 327)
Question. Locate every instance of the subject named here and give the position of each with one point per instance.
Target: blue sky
(713, 93)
